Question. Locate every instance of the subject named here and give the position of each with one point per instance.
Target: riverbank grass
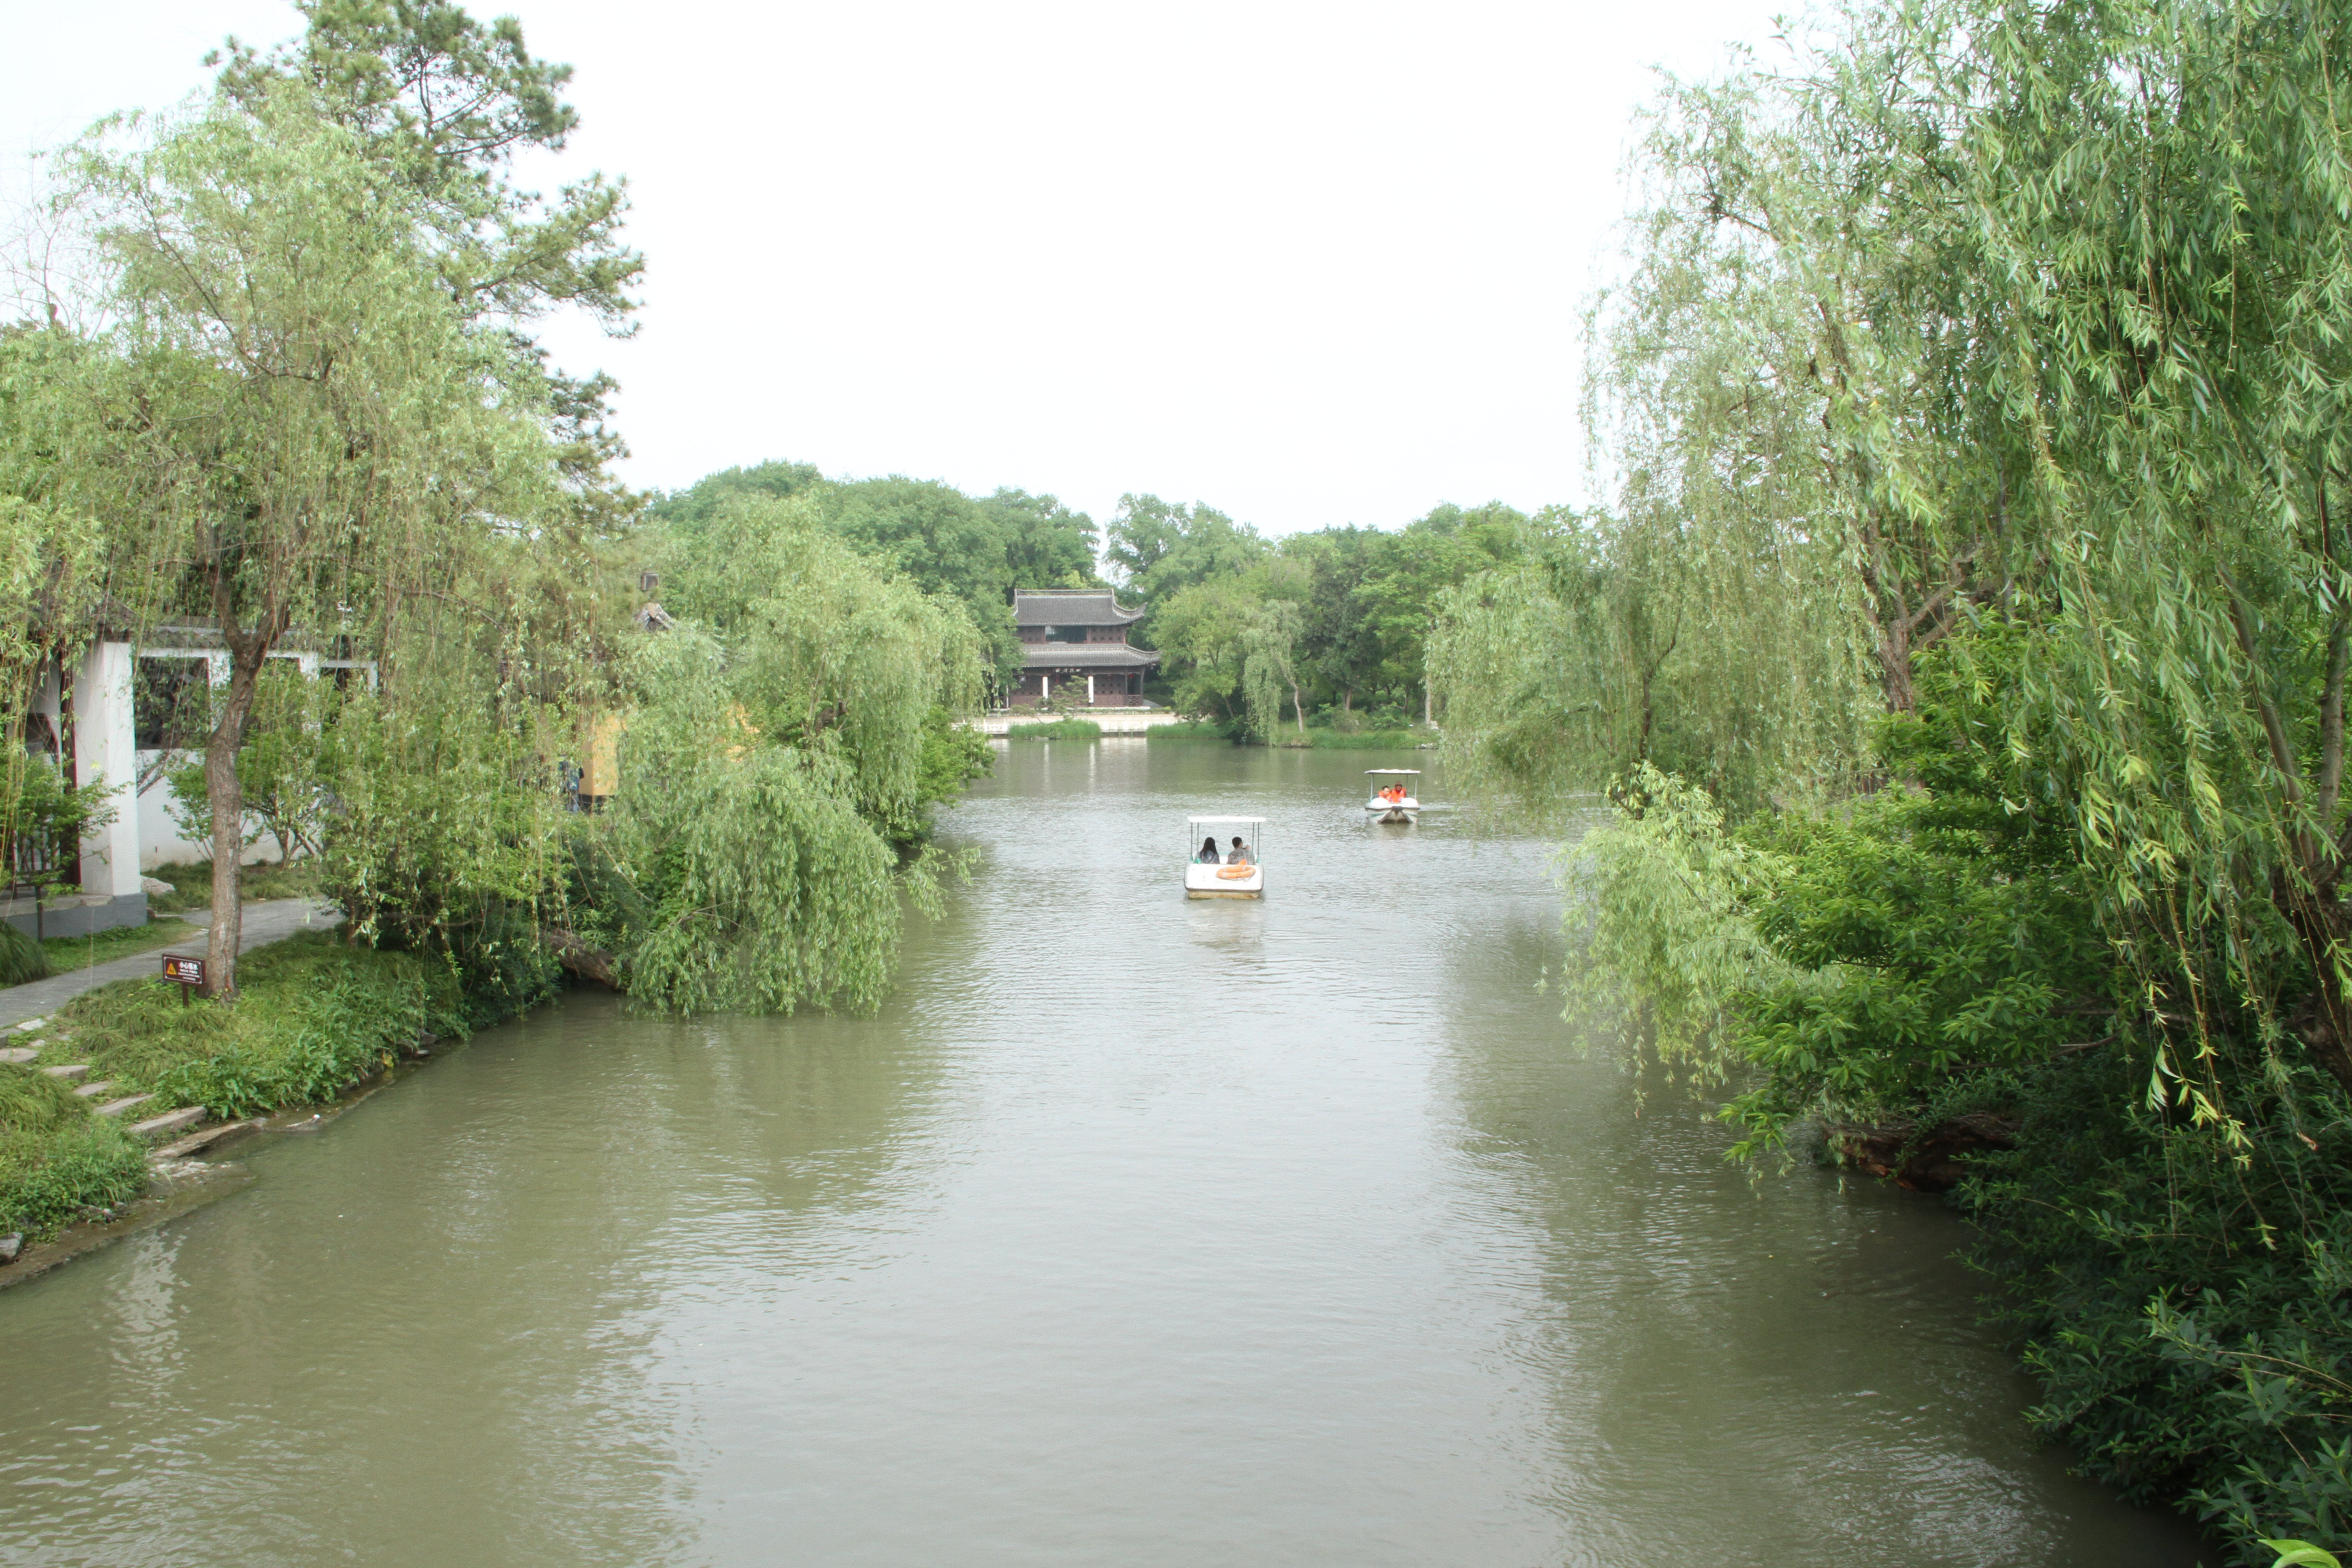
(1315, 738)
(57, 1156)
(1055, 730)
(312, 1017)
(1361, 740)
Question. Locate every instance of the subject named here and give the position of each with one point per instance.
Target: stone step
(171, 1121)
(117, 1107)
(19, 1054)
(96, 1086)
(30, 1026)
(74, 1071)
(203, 1138)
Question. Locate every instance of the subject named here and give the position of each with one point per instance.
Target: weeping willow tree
(2159, 196)
(2032, 316)
(775, 760)
(1270, 665)
(1712, 621)
(301, 421)
(1979, 386)
(1785, 388)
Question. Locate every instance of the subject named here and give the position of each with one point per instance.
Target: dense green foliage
(296, 399)
(974, 551)
(56, 1157)
(318, 1014)
(1055, 730)
(1324, 628)
(1961, 662)
(785, 740)
(315, 1016)
(1331, 622)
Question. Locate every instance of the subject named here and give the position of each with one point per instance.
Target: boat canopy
(1226, 821)
(1414, 772)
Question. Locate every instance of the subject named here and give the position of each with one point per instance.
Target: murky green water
(1134, 1232)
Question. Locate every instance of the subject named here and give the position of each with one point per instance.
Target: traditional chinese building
(1073, 637)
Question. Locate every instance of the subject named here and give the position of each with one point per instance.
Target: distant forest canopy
(1336, 619)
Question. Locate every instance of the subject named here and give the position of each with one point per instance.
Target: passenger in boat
(1208, 855)
(1240, 855)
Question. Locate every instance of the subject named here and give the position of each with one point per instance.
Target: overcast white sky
(1313, 263)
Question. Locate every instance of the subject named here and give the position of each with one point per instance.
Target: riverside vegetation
(1961, 656)
(292, 389)
(1963, 659)
(1302, 639)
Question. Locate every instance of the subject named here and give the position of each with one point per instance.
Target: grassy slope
(312, 1017)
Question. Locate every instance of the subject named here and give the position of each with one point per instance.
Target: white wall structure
(105, 747)
(158, 832)
(106, 752)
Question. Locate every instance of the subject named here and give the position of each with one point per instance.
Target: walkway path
(267, 921)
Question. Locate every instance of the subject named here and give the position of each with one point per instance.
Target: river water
(1134, 1231)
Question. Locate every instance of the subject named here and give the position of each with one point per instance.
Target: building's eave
(1085, 656)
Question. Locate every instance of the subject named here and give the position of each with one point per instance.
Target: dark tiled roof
(1070, 607)
(1085, 656)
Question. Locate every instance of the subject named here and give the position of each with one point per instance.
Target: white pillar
(1090, 690)
(106, 748)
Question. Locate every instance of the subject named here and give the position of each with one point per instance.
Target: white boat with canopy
(1393, 801)
(1222, 857)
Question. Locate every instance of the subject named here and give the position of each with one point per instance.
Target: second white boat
(1392, 802)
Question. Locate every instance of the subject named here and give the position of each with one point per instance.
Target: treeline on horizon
(1326, 626)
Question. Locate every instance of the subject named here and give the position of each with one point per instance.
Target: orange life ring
(1234, 873)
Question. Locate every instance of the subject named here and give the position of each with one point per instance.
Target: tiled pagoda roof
(1070, 607)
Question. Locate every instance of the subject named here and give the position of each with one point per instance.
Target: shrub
(21, 958)
(2183, 1300)
(1366, 740)
(1194, 730)
(56, 1157)
(1055, 730)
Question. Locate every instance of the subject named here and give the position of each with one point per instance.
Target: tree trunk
(577, 956)
(1298, 707)
(1895, 666)
(2324, 1022)
(228, 798)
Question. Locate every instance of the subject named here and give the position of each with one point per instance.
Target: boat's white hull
(1392, 810)
(1203, 882)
